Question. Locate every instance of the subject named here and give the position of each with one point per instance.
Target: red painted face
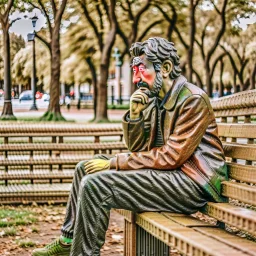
(144, 72)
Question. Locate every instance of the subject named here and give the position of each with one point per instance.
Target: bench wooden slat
(241, 172)
(63, 134)
(185, 239)
(63, 147)
(45, 161)
(237, 130)
(240, 151)
(37, 175)
(238, 217)
(58, 128)
(235, 241)
(235, 112)
(214, 232)
(186, 220)
(242, 192)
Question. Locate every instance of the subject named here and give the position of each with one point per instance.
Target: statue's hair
(157, 50)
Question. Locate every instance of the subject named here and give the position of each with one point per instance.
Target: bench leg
(129, 237)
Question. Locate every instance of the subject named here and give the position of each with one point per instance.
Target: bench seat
(192, 236)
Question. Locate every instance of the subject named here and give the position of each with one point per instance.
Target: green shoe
(56, 248)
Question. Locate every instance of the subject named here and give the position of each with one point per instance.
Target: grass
(34, 229)
(10, 231)
(26, 243)
(10, 218)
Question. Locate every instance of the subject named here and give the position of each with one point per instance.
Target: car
(26, 95)
(46, 97)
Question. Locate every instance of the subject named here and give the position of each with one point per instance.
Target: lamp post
(118, 63)
(31, 38)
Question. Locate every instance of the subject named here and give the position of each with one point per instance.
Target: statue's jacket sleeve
(191, 142)
(138, 134)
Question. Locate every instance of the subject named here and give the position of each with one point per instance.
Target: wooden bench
(38, 160)
(153, 233)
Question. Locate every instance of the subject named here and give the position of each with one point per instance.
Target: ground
(41, 225)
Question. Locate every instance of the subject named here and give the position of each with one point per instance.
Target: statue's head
(153, 60)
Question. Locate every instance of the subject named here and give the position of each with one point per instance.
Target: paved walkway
(82, 115)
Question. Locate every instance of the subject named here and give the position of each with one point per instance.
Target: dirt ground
(47, 228)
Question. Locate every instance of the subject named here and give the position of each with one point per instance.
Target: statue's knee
(80, 168)
(86, 181)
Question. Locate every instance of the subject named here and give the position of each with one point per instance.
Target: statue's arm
(190, 126)
(134, 133)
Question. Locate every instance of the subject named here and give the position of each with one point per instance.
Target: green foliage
(119, 106)
(52, 116)
(26, 243)
(11, 231)
(10, 217)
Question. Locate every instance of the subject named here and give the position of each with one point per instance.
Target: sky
(24, 25)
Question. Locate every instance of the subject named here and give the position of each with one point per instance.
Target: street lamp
(31, 38)
(118, 64)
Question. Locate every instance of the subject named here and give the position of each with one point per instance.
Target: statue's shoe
(56, 248)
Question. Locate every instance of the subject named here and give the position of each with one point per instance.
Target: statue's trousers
(92, 196)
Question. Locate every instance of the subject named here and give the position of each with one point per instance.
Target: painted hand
(96, 165)
(138, 102)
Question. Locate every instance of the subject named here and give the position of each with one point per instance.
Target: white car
(46, 97)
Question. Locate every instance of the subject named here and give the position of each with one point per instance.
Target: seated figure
(176, 161)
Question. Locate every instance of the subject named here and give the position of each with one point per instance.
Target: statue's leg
(144, 190)
(70, 218)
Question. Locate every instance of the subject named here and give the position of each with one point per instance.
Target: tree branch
(181, 38)
(45, 13)
(200, 48)
(143, 34)
(215, 63)
(91, 22)
(131, 17)
(7, 11)
(54, 9)
(221, 31)
(45, 42)
(61, 10)
(215, 7)
(105, 7)
(140, 12)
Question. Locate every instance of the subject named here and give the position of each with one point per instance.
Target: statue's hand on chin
(138, 102)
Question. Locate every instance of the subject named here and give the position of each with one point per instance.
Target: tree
(22, 66)
(81, 44)
(5, 9)
(102, 19)
(53, 11)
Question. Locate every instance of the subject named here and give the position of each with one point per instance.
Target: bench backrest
(236, 116)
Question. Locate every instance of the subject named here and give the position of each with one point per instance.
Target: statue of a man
(176, 162)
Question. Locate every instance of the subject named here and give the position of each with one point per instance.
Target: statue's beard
(157, 86)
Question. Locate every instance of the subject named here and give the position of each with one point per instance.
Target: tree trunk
(208, 79)
(191, 39)
(234, 82)
(101, 112)
(53, 113)
(7, 113)
(252, 78)
(221, 87)
(94, 84)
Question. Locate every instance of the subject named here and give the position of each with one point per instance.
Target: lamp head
(34, 20)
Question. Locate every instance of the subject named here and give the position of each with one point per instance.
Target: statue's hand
(96, 165)
(138, 102)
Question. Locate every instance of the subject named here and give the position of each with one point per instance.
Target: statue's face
(144, 73)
